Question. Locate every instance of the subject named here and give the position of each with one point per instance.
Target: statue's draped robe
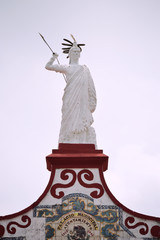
(79, 102)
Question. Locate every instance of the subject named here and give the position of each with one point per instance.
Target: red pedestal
(77, 156)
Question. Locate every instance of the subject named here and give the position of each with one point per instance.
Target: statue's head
(74, 52)
(73, 49)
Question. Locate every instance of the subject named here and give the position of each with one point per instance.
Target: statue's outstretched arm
(56, 67)
(49, 65)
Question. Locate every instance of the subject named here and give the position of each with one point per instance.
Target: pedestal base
(77, 156)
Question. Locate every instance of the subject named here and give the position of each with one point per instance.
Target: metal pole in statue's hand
(51, 51)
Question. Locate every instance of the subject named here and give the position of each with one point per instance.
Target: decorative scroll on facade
(88, 175)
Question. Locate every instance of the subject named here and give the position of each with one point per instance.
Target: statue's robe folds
(79, 102)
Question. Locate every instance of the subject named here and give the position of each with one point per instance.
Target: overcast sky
(122, 51)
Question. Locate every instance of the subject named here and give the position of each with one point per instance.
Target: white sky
(122, 51)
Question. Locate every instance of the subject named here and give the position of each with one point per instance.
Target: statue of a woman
(79, 99)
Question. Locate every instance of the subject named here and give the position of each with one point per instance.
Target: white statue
(79, 99)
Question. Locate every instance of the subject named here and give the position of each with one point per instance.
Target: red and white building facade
(77, 204)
